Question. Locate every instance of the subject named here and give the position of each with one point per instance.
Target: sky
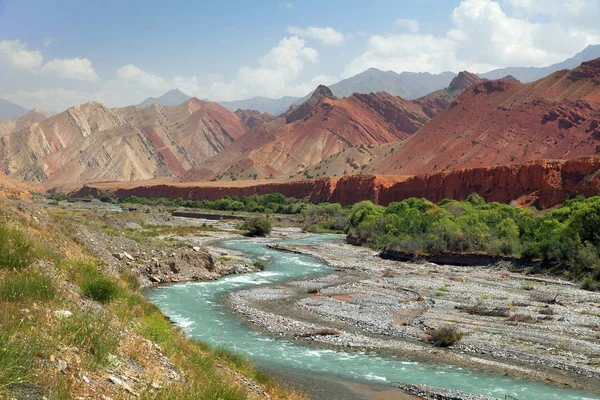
(56, 54)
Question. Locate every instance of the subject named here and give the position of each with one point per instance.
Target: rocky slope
(314, 131)
(503, 122)
(252, 118)
(543, 183)
(90, 142)
(30, 118)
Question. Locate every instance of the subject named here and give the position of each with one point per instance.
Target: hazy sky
(54, 54)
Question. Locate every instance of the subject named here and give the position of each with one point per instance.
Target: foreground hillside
(313, 131)
(503, 122)
(73, 322)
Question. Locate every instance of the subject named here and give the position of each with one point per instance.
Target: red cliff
(543, 183)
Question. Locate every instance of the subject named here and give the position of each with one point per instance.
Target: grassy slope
(114, 342)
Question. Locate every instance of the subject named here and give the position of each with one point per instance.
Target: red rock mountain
(90, 142)
(543, 183)
(314, 131)
(504, 122)
(252, 118)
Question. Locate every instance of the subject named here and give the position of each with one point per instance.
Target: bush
(257, 227)
(26, 286)
(100, 289)
(17, 251)
(590, 284)
(446, 336)
(260, 265)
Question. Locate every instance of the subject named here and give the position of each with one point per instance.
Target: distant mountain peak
(173, 97)
(322, 92)
(464, 80)
(297, 112)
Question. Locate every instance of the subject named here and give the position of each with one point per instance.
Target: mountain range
(472, 122)
(10, 110)
(409, 85)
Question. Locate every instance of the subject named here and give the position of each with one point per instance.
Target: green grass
(131, 279)
(17, 251)
(101, 289)
(16, 360)
(91, 334)
(26, 286)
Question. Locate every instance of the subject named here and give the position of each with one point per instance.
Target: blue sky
(57, 54)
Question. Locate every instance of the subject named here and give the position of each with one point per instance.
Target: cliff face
(542, 183)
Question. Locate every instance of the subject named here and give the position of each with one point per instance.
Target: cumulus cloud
(326, 35)
(53, 100)
(48, 40)
(276, 75)
(73, 68)
(16, 54)
(412, 25)
(482, 37)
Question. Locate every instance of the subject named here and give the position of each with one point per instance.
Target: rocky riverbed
(535, 327)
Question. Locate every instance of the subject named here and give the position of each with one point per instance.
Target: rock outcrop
(464, 80)
(542, 183)
(252, 118)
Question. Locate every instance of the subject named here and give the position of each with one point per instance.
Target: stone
(196, 248)
(128, 256)
(118, 256)
(61, 365)
(61, 314)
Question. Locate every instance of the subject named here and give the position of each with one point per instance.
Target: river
(199, 308)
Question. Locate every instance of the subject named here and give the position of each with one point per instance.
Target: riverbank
(530, 327)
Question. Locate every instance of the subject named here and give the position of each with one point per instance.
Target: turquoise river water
(199, 308)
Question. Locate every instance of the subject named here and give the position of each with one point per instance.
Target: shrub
(260, 265)
(446, 336)
(590, 284)
(257, 227)
(100, 288)
(26, 286)
(107, 199)
(16, 250)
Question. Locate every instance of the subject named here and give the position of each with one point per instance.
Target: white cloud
(412, 25)
(276, 75)
(15, 53)
(326, 35)
(48, 40)
(54, 100)
(79, 69)
(482, 37)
